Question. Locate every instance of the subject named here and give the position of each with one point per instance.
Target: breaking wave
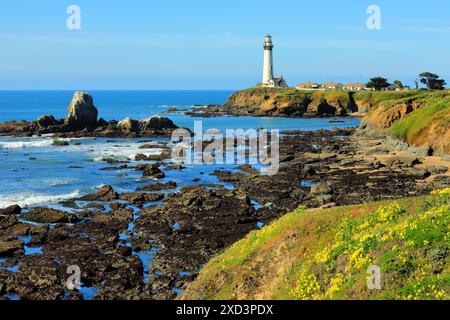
(32, 143)
(30, 199)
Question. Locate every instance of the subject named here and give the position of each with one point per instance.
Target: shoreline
(191, 226)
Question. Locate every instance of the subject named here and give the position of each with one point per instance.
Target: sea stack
(81, 113)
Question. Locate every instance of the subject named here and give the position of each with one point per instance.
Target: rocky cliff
(418, 118)
(290, 102)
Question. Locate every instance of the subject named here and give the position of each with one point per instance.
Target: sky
(217, 44)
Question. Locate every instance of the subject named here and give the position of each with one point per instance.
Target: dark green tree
(378, 83)
(432, 81)
(398, 84)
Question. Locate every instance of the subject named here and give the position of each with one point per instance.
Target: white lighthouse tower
(268, 60)
(268, 78)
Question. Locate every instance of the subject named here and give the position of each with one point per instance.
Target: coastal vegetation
(325, 254)
(417, 117)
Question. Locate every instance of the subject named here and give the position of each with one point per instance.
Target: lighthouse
(268, 78)
(268, 60)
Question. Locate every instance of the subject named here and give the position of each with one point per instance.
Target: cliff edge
(416, 118)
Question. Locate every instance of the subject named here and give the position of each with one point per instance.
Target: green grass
(325, 254)
(376, 97)
(436, 111)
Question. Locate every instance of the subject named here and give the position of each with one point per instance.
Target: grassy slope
(288, 94)
(420, 118)
(325, 255)
(436, 110)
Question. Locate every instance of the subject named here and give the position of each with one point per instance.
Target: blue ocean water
(33, 172)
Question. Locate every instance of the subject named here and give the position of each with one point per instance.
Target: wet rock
(175, 167)
(150, 146)
(46, 121)
(151, 171)
(11, 210)
(156, 122)
(128, 125)
(60, 143)
(69, 203)
(158, 186)
(48, 215)
(141, 197)
(249, 169)
(121, 214)
(164, 155)
(11, 247)
(7, 221)
(106, 193)
(81, 112)
(117, 205)
(20, 229)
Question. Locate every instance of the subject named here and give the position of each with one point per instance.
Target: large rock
(106, 193)
(10, 247)
(150, 171)
(81, 112)
(121, 215)
(46, 121)
(156, 123)
(48, 215)
(129, 125)
(11, 210)
(141, 197)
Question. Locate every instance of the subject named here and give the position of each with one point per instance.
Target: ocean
(35, 173)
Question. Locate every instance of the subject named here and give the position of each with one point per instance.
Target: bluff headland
(414, 117)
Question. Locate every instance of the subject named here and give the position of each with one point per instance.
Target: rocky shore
(149, 244)
(81, 121)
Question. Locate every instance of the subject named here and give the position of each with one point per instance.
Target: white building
(355, 86)
(309, 86)
(332, 86)
(268, 79)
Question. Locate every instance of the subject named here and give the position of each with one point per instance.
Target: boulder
(128, 125)
(159, 186)
(81, 112)
(102, 123)
(164, 155)
(20, 229)
(59, 143)
(7, 221)
(106, 193)
(141, 197)
(121, 215)
(48, 215)
(11, 247)
(151, 171)
(11, 210)
(46, 121)
(156, 123)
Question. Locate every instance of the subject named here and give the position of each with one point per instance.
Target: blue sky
(207, 44)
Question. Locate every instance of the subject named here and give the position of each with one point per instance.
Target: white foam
(32, 199)
(29, 143)
(59, 182)
(129, 152)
